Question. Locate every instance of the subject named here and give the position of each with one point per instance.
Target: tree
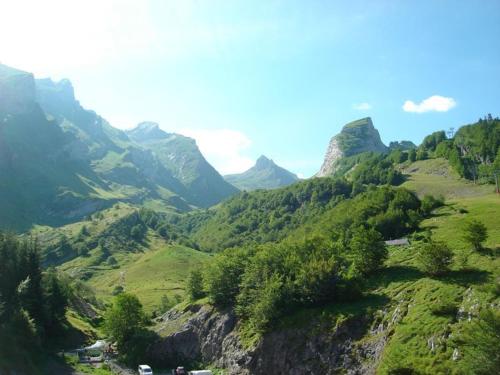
(481, 348)
(194, 285)
(368, 250)
(475, 233)
(412, 155)
(124, 319)
(435, 257)
(138, 231)
(56, 301)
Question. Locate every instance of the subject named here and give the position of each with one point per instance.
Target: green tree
(124, 319)
(194, 285)
(435, 257)
(481, 348)
(475, 233)
(223, 276)
(412, 155)
(368, 250)
(56, 301)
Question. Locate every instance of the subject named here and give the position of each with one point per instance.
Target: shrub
(194, 285)
(435, 257)
(430, 203)
(475, 233)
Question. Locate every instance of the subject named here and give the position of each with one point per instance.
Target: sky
(279, 78)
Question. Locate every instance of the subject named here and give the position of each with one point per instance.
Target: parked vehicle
(145, 370)
(200, 372)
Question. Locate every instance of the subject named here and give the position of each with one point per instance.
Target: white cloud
(435, 103)
(362, 106)
(223, 148)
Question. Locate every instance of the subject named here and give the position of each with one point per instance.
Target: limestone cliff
(203, 334)
(356, 137)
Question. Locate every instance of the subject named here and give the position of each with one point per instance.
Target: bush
(475, 233)
(435, 257)
(430, 203)
(194, 285)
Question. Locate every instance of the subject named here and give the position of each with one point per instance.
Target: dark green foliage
(412, 155)
(481, 344)
(194, 286)
(32, 305)
(56, 301)
(422, 154)
(402, 145)
(435, 257)
(377, 170)
(431, 141)
(475, 233)
(473, 150)
(265, 282)
(223, 276)
(263, 216)
(397, 156)
(124, 318)
(430, 203)
(367, 250)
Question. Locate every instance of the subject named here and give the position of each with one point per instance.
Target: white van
(200, 372)
(145, 370)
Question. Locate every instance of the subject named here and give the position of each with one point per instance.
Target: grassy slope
(413, 307)
(418, 299)
(154, 270)
(162, 270)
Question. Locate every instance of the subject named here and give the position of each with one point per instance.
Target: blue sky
(278, 78)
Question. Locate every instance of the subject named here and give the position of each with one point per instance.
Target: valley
(134, 237)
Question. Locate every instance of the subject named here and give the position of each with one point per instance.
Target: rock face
(265, 174)
(355, 138)
(317, 348)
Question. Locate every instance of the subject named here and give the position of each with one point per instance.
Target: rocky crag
(201, 333)
(355, 138)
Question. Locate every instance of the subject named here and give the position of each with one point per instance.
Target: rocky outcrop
(355, 138)
(17, 91)
(210, 336)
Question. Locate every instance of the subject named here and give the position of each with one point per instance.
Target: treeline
(318, 264)
(473, 152)
(269, 216)
(32, 303)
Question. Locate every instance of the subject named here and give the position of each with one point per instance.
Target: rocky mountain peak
(17, 90)
(264, 162)
(265, 174)
(355, 137)
(147, 131)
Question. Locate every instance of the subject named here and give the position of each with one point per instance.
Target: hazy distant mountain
(60, 162)
(265, 174)
(182, 157)
(355, 138)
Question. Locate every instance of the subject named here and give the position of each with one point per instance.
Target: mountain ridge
(78, 163)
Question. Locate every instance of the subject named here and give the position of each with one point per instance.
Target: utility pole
(496, 175)
(451, 133)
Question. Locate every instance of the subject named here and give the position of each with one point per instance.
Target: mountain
(355, 138)
(60, 162)
(182, 157)
(265, 174)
